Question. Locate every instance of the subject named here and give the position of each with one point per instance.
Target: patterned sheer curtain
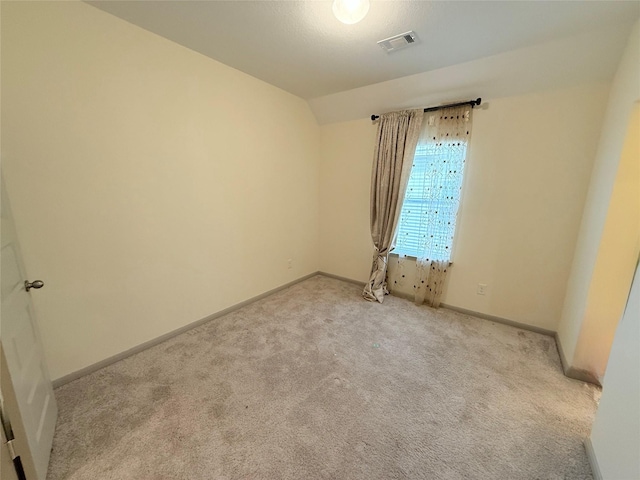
(428, 217)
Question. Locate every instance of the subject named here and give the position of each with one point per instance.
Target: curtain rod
(473, 103)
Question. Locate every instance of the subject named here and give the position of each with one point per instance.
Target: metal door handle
(35, 284)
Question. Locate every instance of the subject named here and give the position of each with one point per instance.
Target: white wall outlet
(289, 264)
(482, 289)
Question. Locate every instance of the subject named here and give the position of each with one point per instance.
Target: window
(428, 217)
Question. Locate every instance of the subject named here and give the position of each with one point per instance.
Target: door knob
(35, 284)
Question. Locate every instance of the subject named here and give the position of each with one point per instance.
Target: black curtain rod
(473, 103)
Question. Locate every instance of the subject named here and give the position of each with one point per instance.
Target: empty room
(329, 239)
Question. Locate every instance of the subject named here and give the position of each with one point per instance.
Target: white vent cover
(397, 42)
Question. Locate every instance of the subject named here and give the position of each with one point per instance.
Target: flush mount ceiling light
(350, 11)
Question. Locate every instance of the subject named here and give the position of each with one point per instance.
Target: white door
(7, 470)
(22, 348)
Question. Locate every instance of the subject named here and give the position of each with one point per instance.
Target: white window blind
(428, 218)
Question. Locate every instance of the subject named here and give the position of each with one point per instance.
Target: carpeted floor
(315, 383)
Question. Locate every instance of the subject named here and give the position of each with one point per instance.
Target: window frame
(463, 186)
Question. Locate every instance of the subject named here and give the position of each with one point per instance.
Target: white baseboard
(491, 318)
(563, 358)
(582, 375)
(504, 321)
(571, 372)
(485, 316)
(344, 279)
(155, 341)
(151, 343)
(593, 461)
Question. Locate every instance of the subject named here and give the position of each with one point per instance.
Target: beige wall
(526, 180)
(617, 254)
(595, 297)
(615, 436)
(345, 178)
(151, 186)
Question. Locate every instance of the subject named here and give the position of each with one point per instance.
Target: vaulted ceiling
(302, 48)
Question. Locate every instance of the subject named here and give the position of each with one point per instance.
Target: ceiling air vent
(397, 42)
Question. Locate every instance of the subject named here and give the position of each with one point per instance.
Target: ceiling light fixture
(350, 11)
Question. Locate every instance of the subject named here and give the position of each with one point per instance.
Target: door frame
(10, 409)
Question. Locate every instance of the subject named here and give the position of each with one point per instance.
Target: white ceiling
(582, 59)
(302, 48)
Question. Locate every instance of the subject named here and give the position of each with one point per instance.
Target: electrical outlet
(482, 289)
(289, 264)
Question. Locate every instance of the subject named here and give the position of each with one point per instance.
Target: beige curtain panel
(396, 142)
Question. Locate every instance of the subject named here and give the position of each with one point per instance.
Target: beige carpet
(316, 383)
